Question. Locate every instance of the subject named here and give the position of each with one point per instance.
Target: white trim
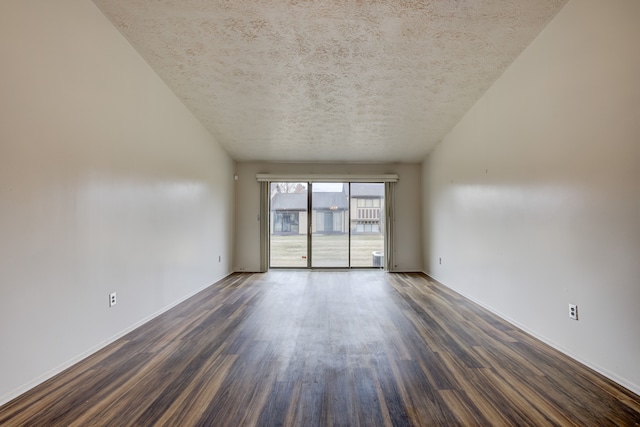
(269, 177)
(635, 388)
(69, 363)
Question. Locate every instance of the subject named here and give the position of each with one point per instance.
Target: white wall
(408, 256)
(107, 183)
(533, 200)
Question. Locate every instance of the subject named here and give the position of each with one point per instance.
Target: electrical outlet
(573, 311)
(219, 258)
(112, 299)
(440, 260)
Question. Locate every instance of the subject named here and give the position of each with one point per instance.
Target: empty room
(308, 213)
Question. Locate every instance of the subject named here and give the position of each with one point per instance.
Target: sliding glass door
(326, 224)
(330, 224)
(288, 224)
(367, 225)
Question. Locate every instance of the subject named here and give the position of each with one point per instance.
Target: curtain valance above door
(268, 177)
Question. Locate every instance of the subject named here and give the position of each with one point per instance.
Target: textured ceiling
(304, 80)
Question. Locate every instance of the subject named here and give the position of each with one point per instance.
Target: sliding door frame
(265, 181)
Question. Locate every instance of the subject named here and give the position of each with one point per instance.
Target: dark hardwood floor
(304, 348)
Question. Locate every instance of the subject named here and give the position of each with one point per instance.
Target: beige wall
(408, 208)
(107, 183)
(533, 200)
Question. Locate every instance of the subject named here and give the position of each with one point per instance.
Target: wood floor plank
(478, 391)
(190, 406)
(350, 348)
(465, 412)
(527, 394)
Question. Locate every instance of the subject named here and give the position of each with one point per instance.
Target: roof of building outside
(361, 189)
(325, 199)
(298, 201)
(289, 202)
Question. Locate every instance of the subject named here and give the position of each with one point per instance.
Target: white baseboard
(405, 271)
(635, 388)
(58, 369)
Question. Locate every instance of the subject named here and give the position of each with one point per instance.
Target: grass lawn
(329, 250)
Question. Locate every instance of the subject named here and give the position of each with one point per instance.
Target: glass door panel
(367, 224)
(288, 217)
(329, 224)
(347, 224)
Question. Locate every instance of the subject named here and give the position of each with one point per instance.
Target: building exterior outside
(367, 208)
(330, 211)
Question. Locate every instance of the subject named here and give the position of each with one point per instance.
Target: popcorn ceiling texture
(296, 80)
